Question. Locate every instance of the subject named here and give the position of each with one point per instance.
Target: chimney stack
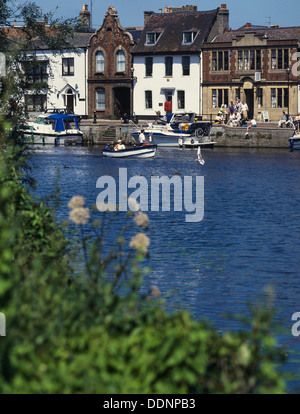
(147, 15)
(85, 16)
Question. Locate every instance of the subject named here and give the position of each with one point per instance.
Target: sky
(131, 12)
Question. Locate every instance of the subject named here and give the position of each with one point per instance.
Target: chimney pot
(223, 6)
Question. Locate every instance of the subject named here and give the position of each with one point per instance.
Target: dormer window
(189, 37)
(152, 37)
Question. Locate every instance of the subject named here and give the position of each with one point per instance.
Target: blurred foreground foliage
(94, 331)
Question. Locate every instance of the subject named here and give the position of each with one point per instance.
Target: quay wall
(262, 137)
(265, 136)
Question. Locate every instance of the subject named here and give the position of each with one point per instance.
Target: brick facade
(253, 65)
(110, 82)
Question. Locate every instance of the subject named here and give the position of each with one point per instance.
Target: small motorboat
(54, 129)
(139, 151)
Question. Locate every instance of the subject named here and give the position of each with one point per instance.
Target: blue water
(247, 241)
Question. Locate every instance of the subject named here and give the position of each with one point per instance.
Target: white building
(167, 61)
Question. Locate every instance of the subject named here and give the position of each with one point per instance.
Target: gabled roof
(172, 26)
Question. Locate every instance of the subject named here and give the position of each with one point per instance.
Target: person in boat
(142, 139)
(119, 146)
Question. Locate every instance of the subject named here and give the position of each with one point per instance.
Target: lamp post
(288, 71)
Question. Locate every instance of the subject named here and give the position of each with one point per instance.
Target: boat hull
(295, 142)
(172, 139)
(53, 139)
(147, 151)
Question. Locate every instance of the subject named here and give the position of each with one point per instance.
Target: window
(226, 61)
(100, 99)
(258, 60)
(220, 97)
(181, 99)
(220, 60)
(99, 62)
(148, 99)
(68, 66)
(36, 72)
(214, 98)
(189, 37)
(168, 66)
(286, 59)
(273, 98)
(214, 60)
(252, 60)
(186, 65)
(249, 60)
(279, 97)
(259, 98)
(237, 94)
(152, 37)
(121, 63)
(149, 66)
(35, 103)
(279, 59)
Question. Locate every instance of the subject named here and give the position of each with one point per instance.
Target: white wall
(158, 83)
(57, 82)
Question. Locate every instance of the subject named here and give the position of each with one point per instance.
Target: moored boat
(295, 141)
(140, 151)
(178, 129)
(54, 129)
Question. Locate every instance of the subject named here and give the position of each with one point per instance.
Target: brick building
(254, 64)
(109, 69)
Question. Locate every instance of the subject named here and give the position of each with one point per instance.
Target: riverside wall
(262, 136)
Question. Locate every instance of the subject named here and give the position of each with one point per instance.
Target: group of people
(142, 140)
(235, 115)
(287, 120)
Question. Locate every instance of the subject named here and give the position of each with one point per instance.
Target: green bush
(94, 331)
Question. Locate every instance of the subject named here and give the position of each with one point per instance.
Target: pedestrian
(283, 119)
(245, 110)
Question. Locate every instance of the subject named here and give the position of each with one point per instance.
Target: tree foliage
(78, 318)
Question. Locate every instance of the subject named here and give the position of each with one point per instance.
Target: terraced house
(255, 64)
(167, 60)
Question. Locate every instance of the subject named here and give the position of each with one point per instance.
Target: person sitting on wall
(219, 119)
(251, 124)
(283, 120)
(119, 146)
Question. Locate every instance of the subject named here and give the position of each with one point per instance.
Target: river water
(247, 242)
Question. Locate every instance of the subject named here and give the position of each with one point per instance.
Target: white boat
(295, 141)
(141, 151)
(54, 129)
(173, 130)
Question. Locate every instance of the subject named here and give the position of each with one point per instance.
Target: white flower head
(76, 201)
(140, 242)
(79, 215)
(141, 219)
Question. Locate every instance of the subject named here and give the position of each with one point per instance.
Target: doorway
(249, 94)
(121, 102)
(70, 101)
